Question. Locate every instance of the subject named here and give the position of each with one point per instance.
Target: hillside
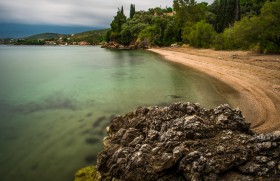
(44, 36)
(93, 37)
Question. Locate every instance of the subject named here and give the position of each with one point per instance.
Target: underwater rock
(175, 96)
(185, 141)
(99, 121)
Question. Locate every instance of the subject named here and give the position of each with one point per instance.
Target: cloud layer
(70, 12)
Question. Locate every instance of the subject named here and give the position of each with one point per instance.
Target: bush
(149, 34)
(225, 41)
(201, 35)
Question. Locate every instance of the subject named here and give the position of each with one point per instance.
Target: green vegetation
(201, 35)
(93, 37)
(44, 36)
(132, 10)
(260, 33)
(224, 24)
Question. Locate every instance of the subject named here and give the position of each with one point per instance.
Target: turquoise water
(55, 103)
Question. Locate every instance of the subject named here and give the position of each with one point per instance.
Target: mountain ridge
(90, 37)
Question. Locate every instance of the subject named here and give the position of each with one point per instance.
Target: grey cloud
(69, 12)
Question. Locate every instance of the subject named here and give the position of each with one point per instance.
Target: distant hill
(92, 37)
(44, 36)
(92, 32)
(83, 36)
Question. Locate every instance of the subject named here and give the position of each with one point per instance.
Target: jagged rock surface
(187, 142)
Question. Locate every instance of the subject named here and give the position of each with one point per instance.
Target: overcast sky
(20, 18)
(70, 12)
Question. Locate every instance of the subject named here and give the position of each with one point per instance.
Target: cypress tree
(118, 21)
(228, 12)
(132, 10)
(122, 11)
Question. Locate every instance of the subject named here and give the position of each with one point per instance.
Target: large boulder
(187, 142)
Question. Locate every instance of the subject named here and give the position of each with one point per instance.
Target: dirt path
(256, 77)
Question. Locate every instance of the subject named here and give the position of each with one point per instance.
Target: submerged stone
(89, 114)
(98, 121)
(185, 141)
(90, 158)
(92, 140)
(175, 96)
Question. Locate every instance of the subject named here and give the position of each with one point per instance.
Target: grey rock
(184, 141)
(220, 149)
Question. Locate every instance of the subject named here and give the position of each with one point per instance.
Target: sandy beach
(255, 77)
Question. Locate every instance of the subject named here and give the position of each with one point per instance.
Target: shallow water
(55, 103)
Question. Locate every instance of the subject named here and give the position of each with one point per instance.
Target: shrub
(201, 35)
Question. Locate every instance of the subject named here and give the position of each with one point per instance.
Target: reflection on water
(55, 103)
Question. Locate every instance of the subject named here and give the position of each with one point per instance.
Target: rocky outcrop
(114, 45)
(132, 46)
(187, 142)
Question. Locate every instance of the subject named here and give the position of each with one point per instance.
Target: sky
(19, 18)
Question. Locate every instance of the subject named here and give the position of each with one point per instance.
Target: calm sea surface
(55, 103)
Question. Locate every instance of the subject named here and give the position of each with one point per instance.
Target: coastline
(255, 77)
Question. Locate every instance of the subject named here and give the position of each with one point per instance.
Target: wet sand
(255, 77)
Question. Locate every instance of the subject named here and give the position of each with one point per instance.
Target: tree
(149, 34)
(260, 33)
(125, 35)
(227, 13)
(132, 10)
(201, 35)
(269, 33)
(188, 11)
(169, 33)
(118, 21)
(116, 26)
(108, 35)
(169, 9)
(251, 7)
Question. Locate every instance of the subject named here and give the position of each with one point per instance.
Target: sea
(55, 103)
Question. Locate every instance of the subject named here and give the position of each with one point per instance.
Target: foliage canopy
(224, 24)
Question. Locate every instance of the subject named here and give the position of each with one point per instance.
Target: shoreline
(255, 77)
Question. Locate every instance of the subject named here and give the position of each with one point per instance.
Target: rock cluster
(187, 142)
(132, 46)
(114, 45)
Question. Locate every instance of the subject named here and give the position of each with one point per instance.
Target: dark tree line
(224, 24)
